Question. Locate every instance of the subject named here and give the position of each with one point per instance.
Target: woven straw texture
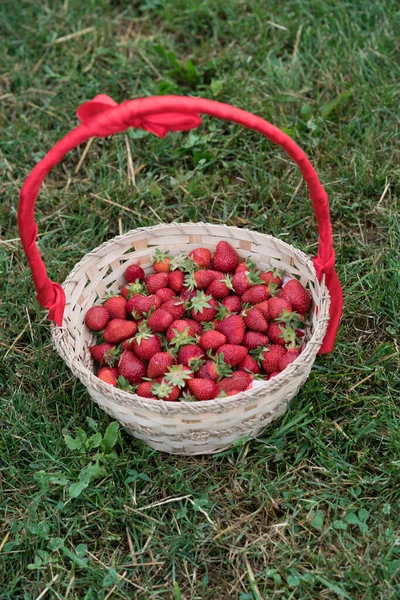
(194, 427)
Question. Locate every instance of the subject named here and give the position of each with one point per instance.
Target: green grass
(309, 510)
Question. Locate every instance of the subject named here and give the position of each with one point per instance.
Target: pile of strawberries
(199, 327)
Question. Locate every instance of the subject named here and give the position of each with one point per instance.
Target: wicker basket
(179, 428)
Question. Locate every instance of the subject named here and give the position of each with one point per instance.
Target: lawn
(309, 510)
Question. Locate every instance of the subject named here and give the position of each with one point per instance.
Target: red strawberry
(271, 356)
(159, 364)
(276, 333)
(237, 381)
(276, 306)
(187, 294)
(243, 280)
(219, 289)
(97, 318)
(256, 321)
(297, 295)
(246, 265)
(187, 355)
(233, 393)
(288, 358)
(254, 339)
(273, 374)
(141, 304)
(130, 289)
(176, 280)
(165, 391)
(116, 306)
(256, 294)
(196, 326)
(211, 340)
(271, 277)
(119, 330)
(225, 258)
(180, 326)
(104, 354)
(145, 344)
(178, 375)
(203, 308)
(233, 327)
(144, 389)
(233, 353)
(131, 367)
(264, 307)
(133, 273)
(203, 278)
(203, 389)
(156, 281)
(160, 320)
(232, 303)
(214, 369)
(248, 364)
(175, 306)
(201, 256)
(108, 375)
(165, 294)
(162, 261)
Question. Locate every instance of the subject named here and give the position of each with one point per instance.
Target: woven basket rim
(89, 379)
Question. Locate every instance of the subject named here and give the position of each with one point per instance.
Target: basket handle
(102, 117)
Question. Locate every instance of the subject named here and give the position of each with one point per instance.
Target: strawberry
(108, 375)
(162, 261)
(145, 343)
(273, 374)
(119, 330)
(160, 320)
(233, 393)
(272, 277)
(189, 356)
(131, 367)
(219, 289)
(104, 354)
(214, 369)
(271, 356)
(256, 294)
(180, 329)
(187, 294)
(129, 290)
(278, 333)
(141, 304)
(202, 307)
(203, 389)
(288, 358)
(254, 339)
(144, 389)
(297, 295)
(175, 306)
(97, 318)
(255, 320)
(196, 326)
(233, 327)
(211, 340)
(133, 273)
(159, 363)
(156, 281)
(237, 381)
(201, 256)
(200, 279)
(176, 280)
(178, 376)
(225, 258)
(276, 306)
(116, 306)
(165, 294)
(232, 303)
(246, 265)
(264, 307)
(249, 365)
(165, 391)
(233, 353)
(243, 280)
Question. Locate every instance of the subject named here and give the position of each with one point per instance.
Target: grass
(311, 508)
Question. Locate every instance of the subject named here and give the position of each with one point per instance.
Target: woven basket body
(198, 427)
